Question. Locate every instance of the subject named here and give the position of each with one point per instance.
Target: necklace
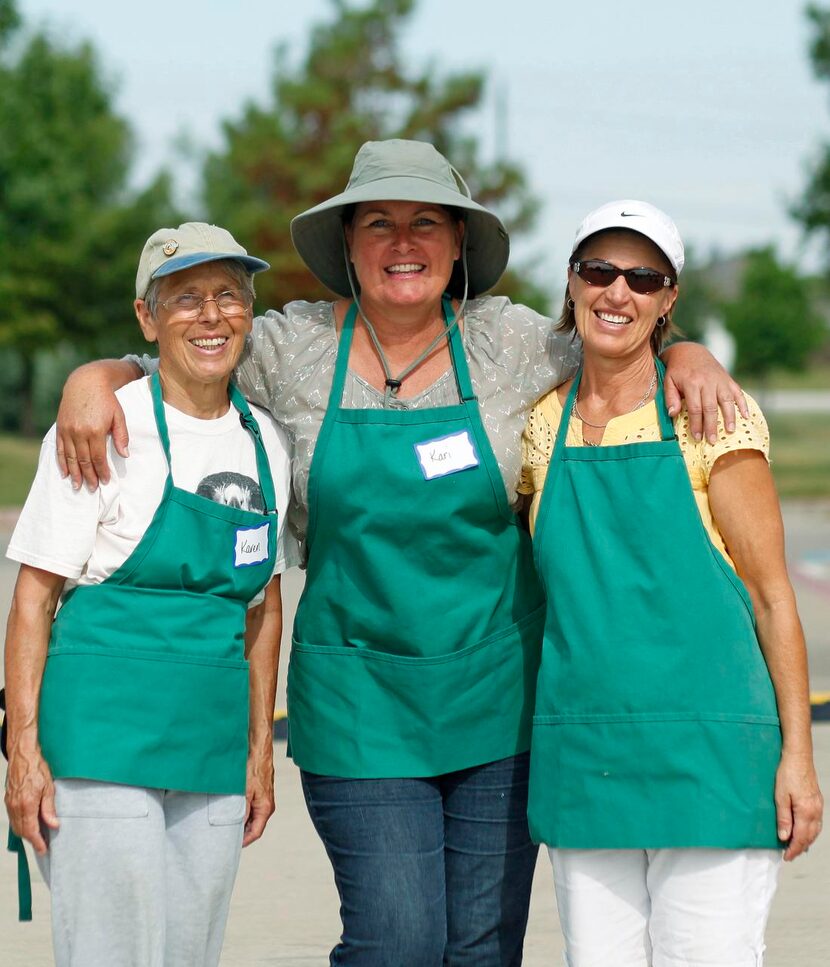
(601, 426)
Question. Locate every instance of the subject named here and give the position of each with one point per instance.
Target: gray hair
(240, 275)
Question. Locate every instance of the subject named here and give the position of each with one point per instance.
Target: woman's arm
(746, 511)
(88, 412)
(263, 632)
(694, 374)
(30, 791)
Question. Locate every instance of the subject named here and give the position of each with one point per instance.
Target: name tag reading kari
(251, 545)
(447, 454)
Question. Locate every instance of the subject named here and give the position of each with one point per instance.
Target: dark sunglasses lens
(597, 273)
(644, 280)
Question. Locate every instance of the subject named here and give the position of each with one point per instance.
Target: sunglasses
(642, 279)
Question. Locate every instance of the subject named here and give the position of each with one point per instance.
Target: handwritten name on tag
(447, 454)
(251, 545)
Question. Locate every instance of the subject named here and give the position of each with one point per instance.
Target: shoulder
(296, 317)
(137, 403)
(503, 329)
(273, 435)
(498, 310)
(751, 433)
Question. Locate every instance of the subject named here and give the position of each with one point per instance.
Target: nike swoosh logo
(631, 215)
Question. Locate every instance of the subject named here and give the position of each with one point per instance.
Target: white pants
(664, 907)
(140, 877)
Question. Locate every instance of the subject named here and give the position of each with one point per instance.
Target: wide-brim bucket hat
(398, 170)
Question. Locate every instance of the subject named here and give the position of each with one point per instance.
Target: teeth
(616, 320)
(406, 267)
(210, 343)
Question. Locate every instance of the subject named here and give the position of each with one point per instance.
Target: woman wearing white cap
(671, 757)
(416, 642)
(140, 715)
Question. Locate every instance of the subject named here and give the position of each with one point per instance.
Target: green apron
(417, 638)
(656, 723)
(146, 681)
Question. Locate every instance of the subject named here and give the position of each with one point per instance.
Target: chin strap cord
(393, 383)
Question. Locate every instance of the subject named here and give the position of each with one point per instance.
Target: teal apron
(656, 723)
(416, 641)
(146, 681)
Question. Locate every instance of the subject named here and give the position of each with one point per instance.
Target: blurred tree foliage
(772, 318)
(297, 150)
(70, 230)
(813, 210)
(696, 303)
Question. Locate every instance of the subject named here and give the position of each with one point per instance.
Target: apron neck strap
(161, 419)
(266, 481)
(246, 418)
(666, 425)
(451, 332)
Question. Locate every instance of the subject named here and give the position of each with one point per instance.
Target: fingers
(48, 813)
(256, 821)
(784, 818)
(730, 396)
(24, 819)
(671, 395)
(806, 825)
(120, 436)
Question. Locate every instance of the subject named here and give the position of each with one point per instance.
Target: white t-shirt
(85, 536)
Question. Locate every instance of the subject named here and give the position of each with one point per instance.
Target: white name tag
(251, 545)
(447, 454)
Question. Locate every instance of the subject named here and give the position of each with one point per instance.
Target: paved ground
(284, 909)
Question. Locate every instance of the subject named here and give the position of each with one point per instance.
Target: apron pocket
(365, 714)
(654, 781)
(159, 723)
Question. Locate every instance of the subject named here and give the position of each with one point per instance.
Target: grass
(816, 377)
(800, 458)
(18, 460)
(800, 451)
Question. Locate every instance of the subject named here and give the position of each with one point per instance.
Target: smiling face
(195, 351)
(614, 321)
(402, 252)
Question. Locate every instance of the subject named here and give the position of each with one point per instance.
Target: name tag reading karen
(447, 454)
(251, 545)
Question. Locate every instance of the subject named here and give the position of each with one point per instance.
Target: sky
(707, 109)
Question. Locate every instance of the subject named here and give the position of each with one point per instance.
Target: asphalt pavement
(284, 909)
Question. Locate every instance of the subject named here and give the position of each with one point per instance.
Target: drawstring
(393, 383)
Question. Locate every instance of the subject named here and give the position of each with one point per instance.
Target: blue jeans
(431, 872)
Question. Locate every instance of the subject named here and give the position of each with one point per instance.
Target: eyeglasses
(642, 279)
(230, 303)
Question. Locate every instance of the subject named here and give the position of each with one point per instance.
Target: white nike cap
(636, 216)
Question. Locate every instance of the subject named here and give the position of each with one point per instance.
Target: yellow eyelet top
(640, 426)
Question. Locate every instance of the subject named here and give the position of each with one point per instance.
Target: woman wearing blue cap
(671, 758)
(140, 715)
(416, 642)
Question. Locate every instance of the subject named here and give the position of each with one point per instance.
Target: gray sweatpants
(140, 877)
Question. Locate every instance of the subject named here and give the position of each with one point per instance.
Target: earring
(662, 320)
(570, 303)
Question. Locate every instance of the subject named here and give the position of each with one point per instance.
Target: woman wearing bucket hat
(671, 757)
(417, 638)
(140, 715)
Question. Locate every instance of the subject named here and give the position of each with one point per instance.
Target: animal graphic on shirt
(233, 490)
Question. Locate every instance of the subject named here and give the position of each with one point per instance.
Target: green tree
(813, 209)
(696, 303)
(772, 319)
(70, 232)
(352, 86)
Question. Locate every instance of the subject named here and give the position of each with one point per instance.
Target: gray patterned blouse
(514, 354)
